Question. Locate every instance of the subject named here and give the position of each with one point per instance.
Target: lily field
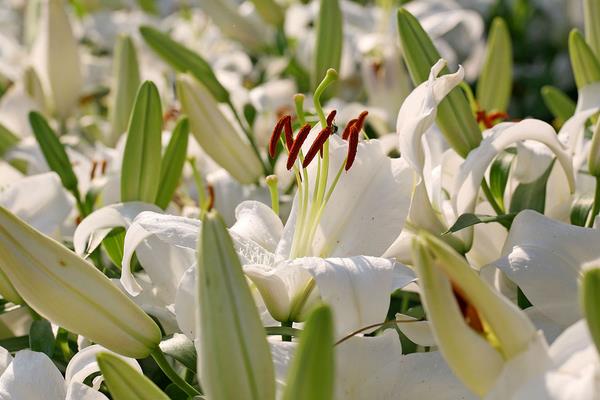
(299, 199)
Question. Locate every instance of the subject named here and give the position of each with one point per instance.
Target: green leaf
(499, 172)
(172, 163)
(124, 382)
(184, 60)
(591, 19)
(148, 6)
(586, 67)
(531, 195)
(580, 210)
(126, 81)
(140, 172)
(559, 104)
(269, 11)
(182, 349)
(7, 139)
(466, 220)
(232, 337)
(311, 375)
(114, 244)
(15, 344)
(495, 82)
(590, 301)
(329, 40)
(54, 151)
(454, 115)
(41, 337)
(282, 330)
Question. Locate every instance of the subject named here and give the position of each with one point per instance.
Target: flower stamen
(297, 145)
(316, 146)
(284, 123)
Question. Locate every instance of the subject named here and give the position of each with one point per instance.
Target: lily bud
(33, 86)
(231, 338)
(495, 82)
(454, 115)
(213, 131)
(126, 81)
(329, 40)
(232, 23)
(506, 333)
(124, 382)
(71, 292)
(56, 59)
(586, 67)
(591, 19)
(8, 291)
(559, 104)
(590, 300)
(269, 11)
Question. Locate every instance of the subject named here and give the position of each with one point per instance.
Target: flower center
(313, 195)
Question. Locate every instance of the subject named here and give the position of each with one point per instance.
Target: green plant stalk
(162, 362)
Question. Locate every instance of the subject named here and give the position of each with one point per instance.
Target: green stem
(490, 198)
(284, 337)
(596, 206)
(266, 167)
(164, 365)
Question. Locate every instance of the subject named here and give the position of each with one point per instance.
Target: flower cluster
(279, 199)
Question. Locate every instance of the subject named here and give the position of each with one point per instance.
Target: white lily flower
(545, 258)
(501, 136)
(56, 58)
(32, 375)
(490, 345)
(374, 367)
(277, 258)
(575, 373)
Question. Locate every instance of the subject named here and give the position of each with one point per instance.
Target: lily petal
(258, 222)
(94, 228)
(544, 258)
(32, 375)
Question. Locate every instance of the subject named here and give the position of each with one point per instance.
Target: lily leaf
(531, 195)
(311, 375)
(454, 115)
(172, 163)
(466, 220)
(559, 104)
(590, 290)
(54, 151)
(269, 11)
(499, 172)
(580, 210)
(329, 40)
(41, 337)
(184, 60)
(495, 82)
(124, 382)
(586, 67)
(141, 159)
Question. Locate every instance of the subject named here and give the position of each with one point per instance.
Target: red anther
(348, 128)
(316, 146)
(211, 197)
(330, 118)
(93, 171)
(361, 120)
(468, 310)
(170, 114)
(352, 146)
(276, 135)
(289, 134)
(297, 145)
(489, 120)
(104, 164)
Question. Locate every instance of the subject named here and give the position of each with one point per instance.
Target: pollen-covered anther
(468, 310)
(489, 120)
(316, 146)
(352, 146)
(297, 145)
(211, 197)
(348, 128)
(284, 123)
(360, 121)
(331, 117)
